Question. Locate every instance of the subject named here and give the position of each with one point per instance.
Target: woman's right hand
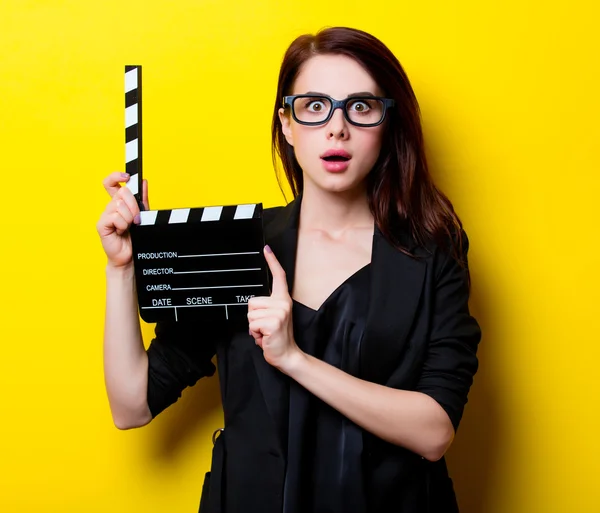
(113, 225)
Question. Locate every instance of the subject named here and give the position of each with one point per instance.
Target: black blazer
(419, 336)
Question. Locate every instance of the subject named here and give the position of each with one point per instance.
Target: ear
(286, 126)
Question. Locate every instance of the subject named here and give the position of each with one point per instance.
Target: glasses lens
(313, 109)
(365, 111)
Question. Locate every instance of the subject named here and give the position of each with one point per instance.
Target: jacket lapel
(281, 234)
(395, 291)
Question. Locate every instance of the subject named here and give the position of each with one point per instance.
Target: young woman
(345, 387)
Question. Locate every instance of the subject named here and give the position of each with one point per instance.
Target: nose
(337, 125)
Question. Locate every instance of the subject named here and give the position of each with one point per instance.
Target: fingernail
(137, 219)
(125, 175)
(249, 332)
(268, 249)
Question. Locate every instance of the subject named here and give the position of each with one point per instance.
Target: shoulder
(450, 257)
(444, 252)
(277, 220)
(270, 213)
(452, 241)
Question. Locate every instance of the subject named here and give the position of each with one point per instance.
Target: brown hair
(400, 188)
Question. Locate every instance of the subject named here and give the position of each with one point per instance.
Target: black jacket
(419, 336)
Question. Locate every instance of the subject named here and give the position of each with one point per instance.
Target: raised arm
(125, 359)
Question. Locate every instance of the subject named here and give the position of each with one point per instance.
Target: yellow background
(509, 95)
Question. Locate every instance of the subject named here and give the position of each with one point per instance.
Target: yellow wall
(509, 93)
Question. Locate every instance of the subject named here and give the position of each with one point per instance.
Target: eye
(315, 105)
(359, 106)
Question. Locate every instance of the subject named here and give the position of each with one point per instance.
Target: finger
(256, 335)
(145, 194)
(258, 339)
(126, 195)
(123, 209)
(280, 288)
(262, 313)
(105, 225)
(263, 302)
(111, 182)
(120, 224)
(264, 327)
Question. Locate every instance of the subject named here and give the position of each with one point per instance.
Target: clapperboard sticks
(191, 264)
(133, 130)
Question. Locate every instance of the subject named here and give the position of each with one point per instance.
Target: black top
(419, 335)
(324, 470)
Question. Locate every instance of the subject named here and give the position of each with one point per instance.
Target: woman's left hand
(270, 318)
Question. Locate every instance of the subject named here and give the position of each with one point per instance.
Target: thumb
(145, 194)
(280, 288)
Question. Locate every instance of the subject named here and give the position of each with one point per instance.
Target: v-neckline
(334, 292)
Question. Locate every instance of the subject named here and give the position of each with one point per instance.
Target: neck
(334, 212)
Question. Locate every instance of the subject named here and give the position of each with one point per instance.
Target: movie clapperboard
(191, 263)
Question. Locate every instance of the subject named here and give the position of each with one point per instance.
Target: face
(337, 76)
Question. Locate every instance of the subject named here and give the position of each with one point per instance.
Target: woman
(346, 386)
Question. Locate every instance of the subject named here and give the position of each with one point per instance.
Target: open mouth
(335, 158)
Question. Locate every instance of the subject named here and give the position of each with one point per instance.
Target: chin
(339, 183)
(327, 181)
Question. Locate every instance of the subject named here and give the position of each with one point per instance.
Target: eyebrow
(362, 93)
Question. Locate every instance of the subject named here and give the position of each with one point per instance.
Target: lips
(336, 155)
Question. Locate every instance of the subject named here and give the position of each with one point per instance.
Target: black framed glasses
(310, 109)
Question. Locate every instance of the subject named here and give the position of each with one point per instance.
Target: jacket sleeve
(178, 356)
(451, 361)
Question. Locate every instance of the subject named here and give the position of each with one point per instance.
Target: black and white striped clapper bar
(192, 264)
(133, 130)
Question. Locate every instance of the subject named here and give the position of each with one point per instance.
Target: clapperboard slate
(191, 263)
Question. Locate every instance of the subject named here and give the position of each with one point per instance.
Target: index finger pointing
(280, 287)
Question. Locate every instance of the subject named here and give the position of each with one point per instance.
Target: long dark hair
(400, 188)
